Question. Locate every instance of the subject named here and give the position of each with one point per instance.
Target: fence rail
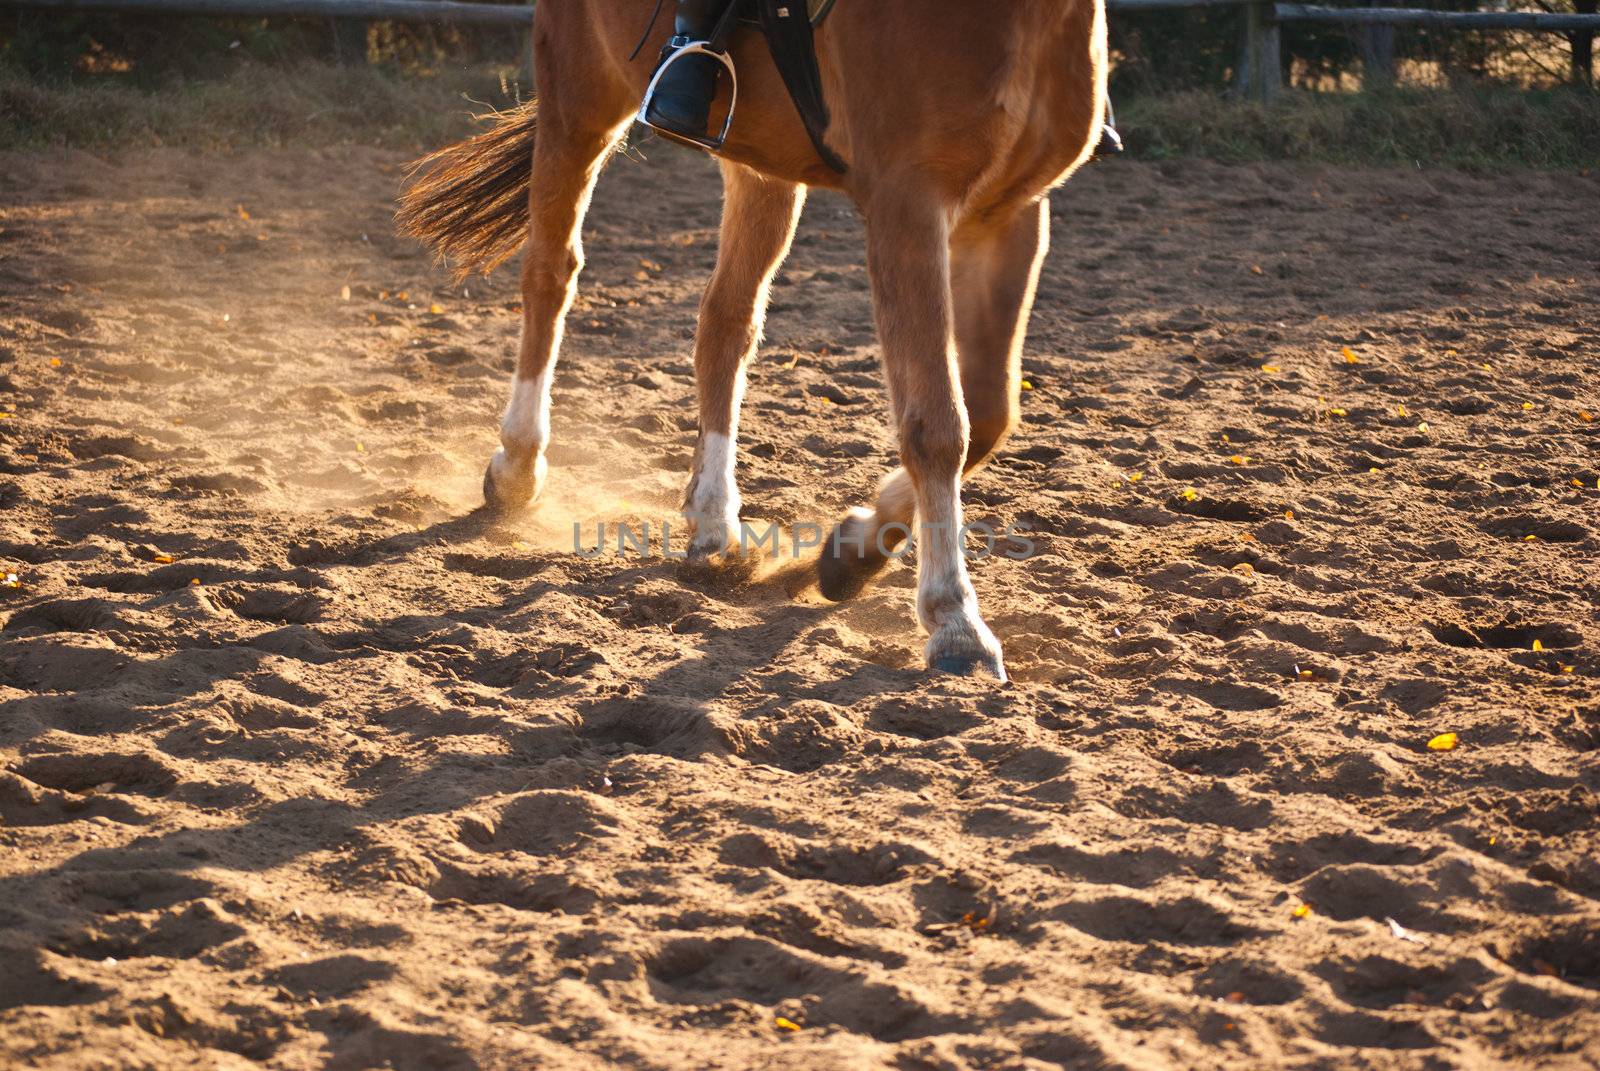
(1258, 73)
(1464, 20)
(397, 10)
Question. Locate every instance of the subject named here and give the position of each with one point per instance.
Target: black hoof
(958, 665)
(840, 578)
(842, 571)
(504, 502)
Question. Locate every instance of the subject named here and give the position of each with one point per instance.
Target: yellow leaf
(1402, 410)
(1135, 477)
(1422, 426)
(1374, 469)
(242, 213)
(785, 1024)
(1303, 911)
(1577, 482)
(1288, 514)
(1027, 384)
(1307, 674)
(1270, 368)
(162, 559)
(1530, 538)
(1586, 416)
(1538, 645)
(1565, 668)
(194, 583)
(11, 581)
(1527, 405)
(55, 362)
(436, 308)
(1244, 567)
(1443, 742)
(1238, 459)
(1338, 412)
(1189, 494)
(1349, 355)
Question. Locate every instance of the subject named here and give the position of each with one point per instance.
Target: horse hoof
(842, 575)
(969, 666)
(502, 496)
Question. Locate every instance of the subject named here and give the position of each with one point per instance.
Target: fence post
(1259, 75)
(350, 41)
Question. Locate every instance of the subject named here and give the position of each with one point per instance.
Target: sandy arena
(305, 764)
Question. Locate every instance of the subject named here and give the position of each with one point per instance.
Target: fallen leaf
(1244, 567)
(1189, 494)
(1303, 911)
(1027, 384)
(1270, 368)
(436, 308)
(162, 559)
(1349, 355)
(785, 1024)
(1527, 405)
(1538, 645)
(55, 362)
(1255, 269)
(1443, 742)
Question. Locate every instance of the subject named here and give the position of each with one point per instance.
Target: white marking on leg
(714, 508)
(947, 605)
(524, 431)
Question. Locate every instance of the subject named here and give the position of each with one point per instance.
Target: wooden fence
(1257, 75)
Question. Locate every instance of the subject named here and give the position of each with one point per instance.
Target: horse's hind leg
(994, 269)
(569, 148)
(758, 221)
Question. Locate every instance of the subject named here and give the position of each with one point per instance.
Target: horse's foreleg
(908, 256)
(994, 272)
(758, 221)
(567, 156)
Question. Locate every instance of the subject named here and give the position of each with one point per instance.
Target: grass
(312, 103)
(1485, 129)
(255, 105)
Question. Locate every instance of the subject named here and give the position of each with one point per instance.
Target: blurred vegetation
(1472, 99)
(1483, 128)
(1196, 48)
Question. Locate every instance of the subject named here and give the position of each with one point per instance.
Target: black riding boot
(682, 100)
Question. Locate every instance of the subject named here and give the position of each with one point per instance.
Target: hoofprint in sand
(306, 764)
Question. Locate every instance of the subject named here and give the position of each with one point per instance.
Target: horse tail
(468, 202)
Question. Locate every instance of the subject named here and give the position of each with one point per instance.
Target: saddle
(787, 26)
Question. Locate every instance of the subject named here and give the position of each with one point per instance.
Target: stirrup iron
(707, 141)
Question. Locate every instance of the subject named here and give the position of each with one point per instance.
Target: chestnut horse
(955, 117)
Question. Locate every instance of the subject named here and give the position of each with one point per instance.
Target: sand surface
(304, 764)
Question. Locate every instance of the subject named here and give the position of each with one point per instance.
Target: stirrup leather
(712, 142)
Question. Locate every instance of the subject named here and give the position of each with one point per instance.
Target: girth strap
(787, 26)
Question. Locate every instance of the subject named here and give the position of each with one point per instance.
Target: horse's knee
(932, 443)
